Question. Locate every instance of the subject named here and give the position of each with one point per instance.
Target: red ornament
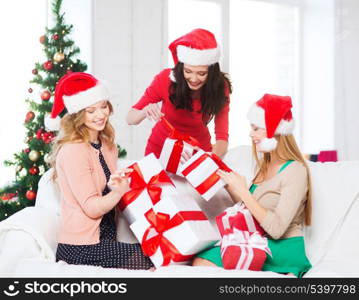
(47, 137)
(45, 95)
(47, 65)
(8, 196)
(29, 116)
(27, 150)
(55, 37)
(39, 133)
(30, 195)
(34, 71)
(30, 90)
(34, 170)
(42, 39)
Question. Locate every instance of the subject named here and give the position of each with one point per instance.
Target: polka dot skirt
(108, 253)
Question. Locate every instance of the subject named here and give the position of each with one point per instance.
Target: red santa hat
(197, 48)
(75, 91)
(274, 114)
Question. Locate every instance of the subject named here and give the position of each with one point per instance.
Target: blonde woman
(84, 158)
(280, 195)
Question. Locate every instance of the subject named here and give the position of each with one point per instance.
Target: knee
(202, 262)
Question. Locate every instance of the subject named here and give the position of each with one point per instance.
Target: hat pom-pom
(267, 145)
(52, 124)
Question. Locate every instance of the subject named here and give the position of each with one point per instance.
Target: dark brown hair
(213, 96)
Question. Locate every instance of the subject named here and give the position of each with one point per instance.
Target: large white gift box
(173, 231)
(149, 183)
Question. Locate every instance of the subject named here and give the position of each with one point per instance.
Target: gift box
(149, 183)
(201, 172)
(242, 250)
(173, 231)
(173, 147)
(237, 217)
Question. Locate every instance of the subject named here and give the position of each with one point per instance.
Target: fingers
(153, 112)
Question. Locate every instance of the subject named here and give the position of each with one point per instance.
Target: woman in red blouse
(192, 93)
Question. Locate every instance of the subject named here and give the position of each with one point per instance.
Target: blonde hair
(287, 149)
(74, 130)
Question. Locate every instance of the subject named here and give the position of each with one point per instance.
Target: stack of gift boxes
(170, 227)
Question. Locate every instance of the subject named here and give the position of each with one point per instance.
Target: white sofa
(28, 238)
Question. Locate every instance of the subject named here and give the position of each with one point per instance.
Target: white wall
(346, 79)
(127, 51)
(317, 82)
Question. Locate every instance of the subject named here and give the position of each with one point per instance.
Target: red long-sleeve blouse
(187, 122)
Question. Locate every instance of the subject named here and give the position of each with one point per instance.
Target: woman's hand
(153, 112)
(236, 183)
(119, 181)
(186, 154)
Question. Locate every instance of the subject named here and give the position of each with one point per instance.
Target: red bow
(138, 184)
(213, 178)
(175, 157)
(162, 222)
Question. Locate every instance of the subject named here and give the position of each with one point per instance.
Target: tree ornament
(34, 155)
(30, 90)
(34, 170)
(59, 56)
(34, 71)
(55, 37)
(42, 39)
(27, 150)
(30, 195)
(47, 65)
(45, 95)
(29, 116)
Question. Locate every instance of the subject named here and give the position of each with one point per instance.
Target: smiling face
(257, 135)
(96, 116)
(196, 76)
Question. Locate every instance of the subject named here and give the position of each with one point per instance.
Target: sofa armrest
(29, 233)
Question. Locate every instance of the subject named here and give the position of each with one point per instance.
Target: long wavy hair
(213, 96)
(74, 130)
(287, 149)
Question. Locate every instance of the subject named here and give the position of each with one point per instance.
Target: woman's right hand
(153, 112)
(119, 181)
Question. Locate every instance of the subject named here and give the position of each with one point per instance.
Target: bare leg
(203, 262)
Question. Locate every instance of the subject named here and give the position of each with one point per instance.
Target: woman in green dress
(280, 195)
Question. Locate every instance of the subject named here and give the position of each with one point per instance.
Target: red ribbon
(138, 184)
(213, 178)
(175, 156)
(162, 222)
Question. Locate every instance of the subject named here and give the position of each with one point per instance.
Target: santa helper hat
(75, 91)
(274, 114)
(197, 48)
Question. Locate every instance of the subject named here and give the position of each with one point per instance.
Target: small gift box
(173, 148)
(237, 217)
(173, 231)
(201, 172)
(149, 183)
(242, 250)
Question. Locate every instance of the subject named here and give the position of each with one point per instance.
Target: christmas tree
(30, 164)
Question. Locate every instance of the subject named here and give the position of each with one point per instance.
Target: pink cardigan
(81, 180)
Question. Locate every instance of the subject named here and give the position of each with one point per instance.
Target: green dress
(288, 255)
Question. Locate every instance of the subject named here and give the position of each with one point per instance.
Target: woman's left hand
(235, 182)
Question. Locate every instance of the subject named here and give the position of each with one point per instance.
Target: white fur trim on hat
(196, 57)
(172, 76)
(256, 117)
(268, 145)
(83, 99)
(52, 124)
(285, 127)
